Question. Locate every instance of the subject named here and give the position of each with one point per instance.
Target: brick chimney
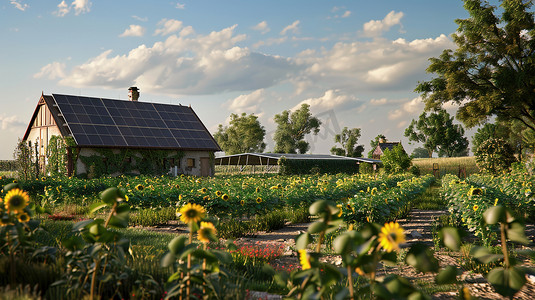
(133, 93)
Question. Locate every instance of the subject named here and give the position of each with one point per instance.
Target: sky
(356, 63)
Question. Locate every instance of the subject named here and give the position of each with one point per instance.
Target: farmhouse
(112, 137)
(382, 146)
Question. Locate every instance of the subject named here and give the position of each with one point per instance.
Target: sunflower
(259, 200)
(225, 197)
(373, 191)
(16, 200)
(180, 197)
(391, 236)
(218, 193)
(476, 207)
(340, 212)
(303, 259)
(495, 201)
(207, 232)
(23, 217)
(257, 189)
(191, 213)
(203, 190)
(139, 187)
(475, 191)
(242, 202)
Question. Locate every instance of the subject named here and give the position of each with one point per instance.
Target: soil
(418, 228)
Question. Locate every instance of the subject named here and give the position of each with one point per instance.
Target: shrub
(495, 156)
(396, 160)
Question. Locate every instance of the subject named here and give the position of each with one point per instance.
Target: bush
(396, 160)
(317, 166)
(495, 156)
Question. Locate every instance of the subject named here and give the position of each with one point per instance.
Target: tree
(419, 153)
(348, 139)
(487, 132)
(494, 156)
(292, 128)
(492, 70)
(375, 142)
(396, 160)
(438, 133)
(244, 134)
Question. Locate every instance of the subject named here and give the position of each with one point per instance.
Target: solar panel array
(118, 123)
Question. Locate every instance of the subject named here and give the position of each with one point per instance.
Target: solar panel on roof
(107, 122)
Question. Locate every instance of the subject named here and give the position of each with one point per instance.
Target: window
(191, 162)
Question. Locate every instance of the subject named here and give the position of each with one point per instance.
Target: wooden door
(205, 166)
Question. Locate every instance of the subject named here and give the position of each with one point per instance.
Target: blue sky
(355, 62)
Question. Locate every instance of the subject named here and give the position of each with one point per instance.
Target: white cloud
(52, 71)
(63, 9)
(375, 28)
(168, 27)
(11, 123)
(294, 27)
(331, 99)
(193, 64)
(19, 6)
(402, 124)
(346, 14)
(79, 7)
(262, 27)
(270, 42)
(247, 103)
(378, 102)
(145, 19)
(410, 108)
(180, 5)
(188, 30)
(133, 30)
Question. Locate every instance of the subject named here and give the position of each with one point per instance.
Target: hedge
(313, 166)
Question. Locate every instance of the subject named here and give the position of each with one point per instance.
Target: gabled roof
(98, 122)
(272, 158)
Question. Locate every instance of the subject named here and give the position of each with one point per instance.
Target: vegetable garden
(70, 238)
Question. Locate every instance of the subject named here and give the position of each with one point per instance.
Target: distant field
(447, 165)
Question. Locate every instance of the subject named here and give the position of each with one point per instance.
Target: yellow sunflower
(476, 207)
(495, 201)
(475, 191)
(259, 200)
(225, 197)
(242, 202)
(23, 217)
(257, 189)
(16, 200)
(191, 213)
(203, 190)
(207, 232)
(218, 193)
(391, 236)
(373, 191)
(340, 212)
(303, 259)
(139, 187)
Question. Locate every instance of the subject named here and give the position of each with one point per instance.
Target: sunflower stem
(188, 266)
(350, 282)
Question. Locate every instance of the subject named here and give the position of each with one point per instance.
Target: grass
(447, 165)
(430, 199)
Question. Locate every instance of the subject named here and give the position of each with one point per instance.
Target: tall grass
(447, 165)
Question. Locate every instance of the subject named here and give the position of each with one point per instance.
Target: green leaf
(73, 243)
(177, 244)
(303, 240)
(168, 259)
(122, 209)
(342, 294)
(422, 258)
(83, 224)
(96, 206)
(418, 296)
(390, 258)
(342, 244)
(318, 207)
(231, 246)
(448, 275)
(516, 233)
(494, 215)
(110, 195)
(484, 255)
(10, 186)
(507, 282)
(118, 222)
(451, 238)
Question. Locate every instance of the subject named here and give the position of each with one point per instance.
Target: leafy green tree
(488, 131)
(292, 128)
(438, 133)
(491, 72)
(348, 139)
(244, 134)
(396, 160)
(494, 156)
(419, 153)
(375, 142)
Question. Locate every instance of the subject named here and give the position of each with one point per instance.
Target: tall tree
(244, 134)
(438, 133)
(487, 132)
(375, 142)
(419, 152)
(292, 128)
(492, 70)
(348, 139)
